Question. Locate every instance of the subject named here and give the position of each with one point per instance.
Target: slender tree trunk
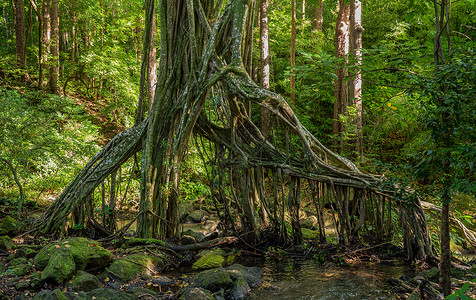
(356, 30)
(318, 15)
(341, 84)
(293, 50)
(54, 47)
(45, 40)
(40, 43)
(442, 12)
(73, 37)
(20, 37)
(265, 66)
(303, 11)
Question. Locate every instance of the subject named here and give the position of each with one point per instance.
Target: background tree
(265, 61)
(355, 92)
(20, 36)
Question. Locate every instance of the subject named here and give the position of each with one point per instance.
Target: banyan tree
(204, 89)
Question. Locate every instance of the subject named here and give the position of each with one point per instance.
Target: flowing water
(306, 280)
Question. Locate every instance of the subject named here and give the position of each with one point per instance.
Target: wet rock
(162, 280)
(86, 254)
(8, 226)
(6, 243)
(240, 289)
(252, 275)
(135, 266)
(210, 259)
(210, 225)
(196, 216)
(107, 294)
(83, 281)
(213, 280)
(50, 295)
(196, 293)
(220, 295)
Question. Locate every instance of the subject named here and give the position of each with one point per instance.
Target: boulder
(213, 280)
(84, 281)
(196, 216)
(188, 240)
(252, 275)
(240, 289)
(309, 223)
(197, 235)
(50, 295)
(8, 226)
(86, 254)
(210, 259)
(135, 266)
(6, 243)
(196, 293)
(60, 267)
(20, 270)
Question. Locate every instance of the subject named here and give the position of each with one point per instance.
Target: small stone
(196, 293)
(213, 280)
(252, 275)
(83, 281)
(240, 289)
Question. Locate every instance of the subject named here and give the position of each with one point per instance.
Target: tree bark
(356, 30)
(54, 47)
(45, 41)
(341, 85)
(20, 37)
(293, 50)
(265, 65)
(148, 78)
(318, 15)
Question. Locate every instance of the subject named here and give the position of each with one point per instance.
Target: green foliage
(460, 293)
(46, 138)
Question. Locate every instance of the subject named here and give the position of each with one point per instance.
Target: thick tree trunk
(341, 92)
(54, 47)
(356, 30)
(148, 78)
(20, 37)
(318, 15)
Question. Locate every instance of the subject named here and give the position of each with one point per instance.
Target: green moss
(209, 261)
(60, 267)
(8, 225)
(134, 266)
(6, 243)
(308, 234)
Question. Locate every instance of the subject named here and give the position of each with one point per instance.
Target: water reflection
(310, 280)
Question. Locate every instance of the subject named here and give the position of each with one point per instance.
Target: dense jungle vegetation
(257, 111)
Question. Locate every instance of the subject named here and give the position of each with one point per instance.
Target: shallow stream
(306, 280)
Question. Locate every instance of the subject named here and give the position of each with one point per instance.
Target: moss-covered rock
(6, 243)
(240, 289)
(8, 226)
(50, 295)
(142, 293)
(18, 261)
(213, 280)
(196, 216)
(210, 259)
(308, 234)
(84, 281)
(433, 274)
(107, 294)
(252, 275)
(140, 241)
(20, 270)
(197, 235)
(135, 266)
(85, 253)
(60, 267)
(25, 252)
(196, 293)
